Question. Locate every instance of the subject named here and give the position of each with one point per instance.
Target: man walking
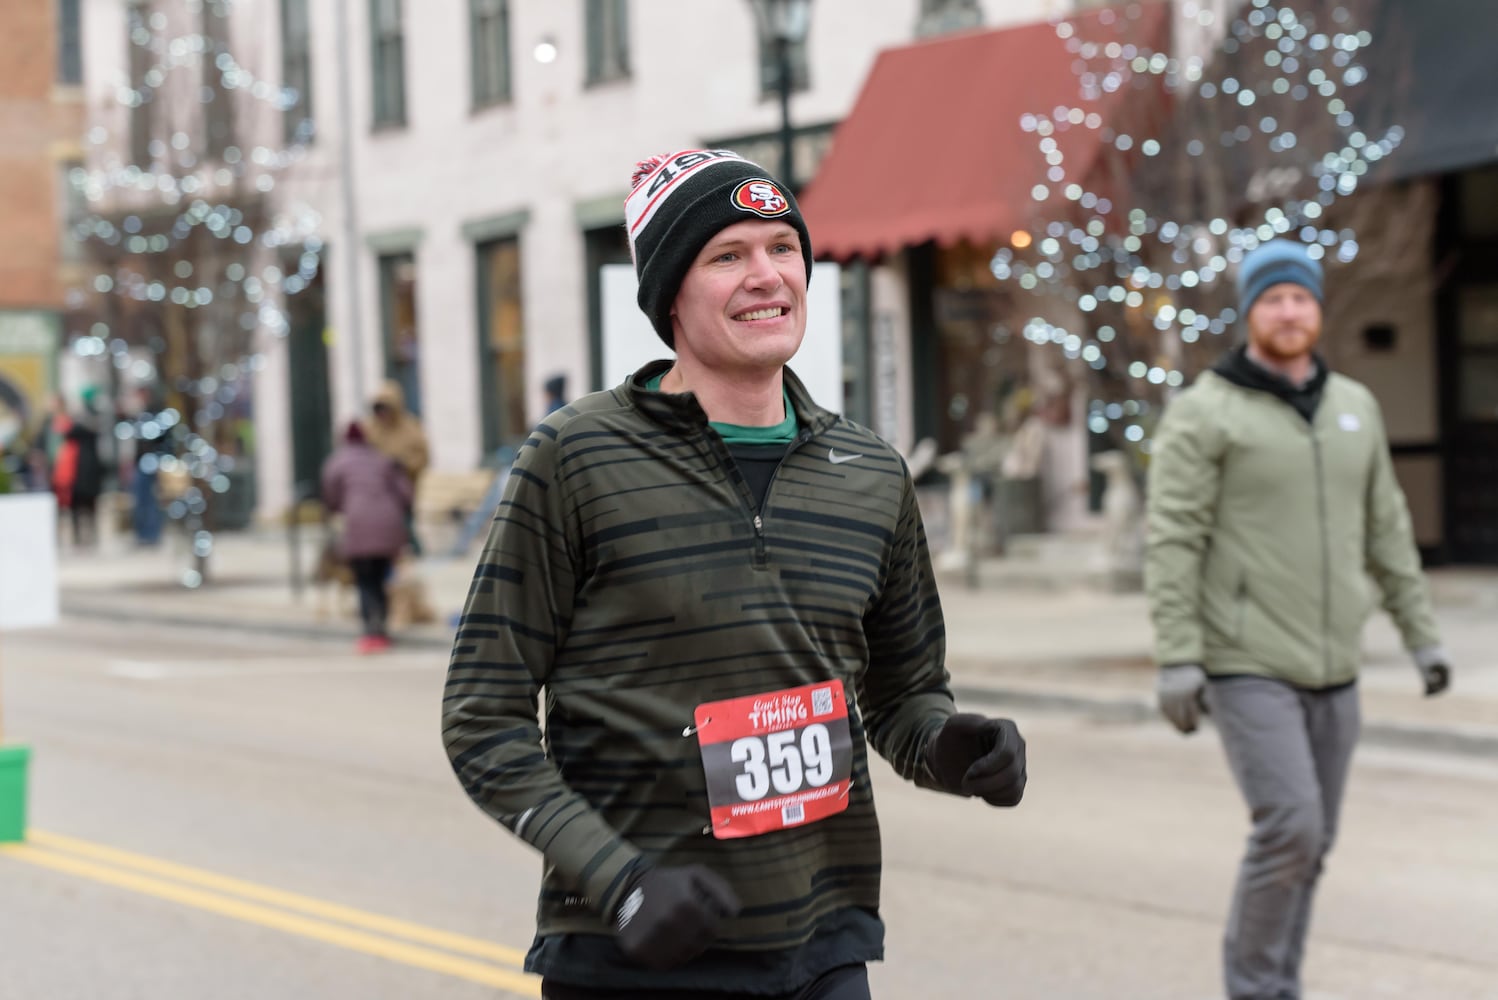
(725, 592)
(1272, 499)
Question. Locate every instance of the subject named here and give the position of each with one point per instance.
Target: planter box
(28, 560)
(28, 598)
(13, 761)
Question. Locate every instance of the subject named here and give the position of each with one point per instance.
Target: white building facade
(460, 170)
(490, 146)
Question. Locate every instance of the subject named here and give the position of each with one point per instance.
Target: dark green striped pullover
(627, 576)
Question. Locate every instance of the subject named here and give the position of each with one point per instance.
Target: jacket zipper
(1326, 580)
(761, 555)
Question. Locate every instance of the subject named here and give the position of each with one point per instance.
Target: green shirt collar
(782, 433)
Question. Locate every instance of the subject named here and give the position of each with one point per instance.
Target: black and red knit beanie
(680, 201)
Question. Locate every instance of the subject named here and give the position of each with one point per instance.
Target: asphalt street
(235, 814)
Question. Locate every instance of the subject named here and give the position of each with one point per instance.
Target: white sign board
(629, 341)
(28, 560)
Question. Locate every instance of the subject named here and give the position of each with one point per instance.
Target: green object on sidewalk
(13, 761)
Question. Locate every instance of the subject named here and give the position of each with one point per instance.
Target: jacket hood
(1241, 370)
(391, 394)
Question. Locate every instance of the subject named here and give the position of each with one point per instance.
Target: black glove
(670, 915)
(1181, 691)
(974, 755)
(1434, 667)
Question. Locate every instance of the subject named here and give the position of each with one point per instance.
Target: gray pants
(1289, 751)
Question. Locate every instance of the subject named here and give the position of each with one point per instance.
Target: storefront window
(1478, 330)
(1479, 200)
(982, 365)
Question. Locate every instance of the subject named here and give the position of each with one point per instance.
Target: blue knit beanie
(1273, 263)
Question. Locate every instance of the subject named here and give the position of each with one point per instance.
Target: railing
(304, 494)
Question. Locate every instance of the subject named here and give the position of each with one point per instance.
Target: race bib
(775, 760)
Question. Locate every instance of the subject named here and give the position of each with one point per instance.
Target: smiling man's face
(742, 305)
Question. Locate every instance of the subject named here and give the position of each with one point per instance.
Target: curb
(1118, 710)
(1466, 740)
(298, 630)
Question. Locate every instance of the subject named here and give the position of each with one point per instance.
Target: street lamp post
(784, 23)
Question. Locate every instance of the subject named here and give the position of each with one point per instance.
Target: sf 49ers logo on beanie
(761, 197)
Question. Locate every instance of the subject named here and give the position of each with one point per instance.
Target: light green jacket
(1264, 531)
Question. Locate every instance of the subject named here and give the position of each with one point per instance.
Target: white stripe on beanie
(652, 189)
(678, 201)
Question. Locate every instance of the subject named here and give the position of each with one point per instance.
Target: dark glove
(1434, 669)
(1181, 690)
(974, 755)
(670, 915)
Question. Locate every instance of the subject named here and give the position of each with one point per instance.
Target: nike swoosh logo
(836, 459)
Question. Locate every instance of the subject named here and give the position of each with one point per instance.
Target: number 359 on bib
(775, 760)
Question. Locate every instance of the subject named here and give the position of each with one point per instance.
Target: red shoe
(371, 644)
(382, 643)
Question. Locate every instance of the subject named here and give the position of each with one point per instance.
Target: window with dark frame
(940, 17)
(388, 62)
(853, 281)
(296, 70)
(73, 209)
(218, 111)
(489, 30)
(398, 317)
(769, 67)
(607, 23)
(69, 43)
(138, 59)
(501, 343)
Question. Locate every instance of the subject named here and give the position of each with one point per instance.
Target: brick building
(41, 118)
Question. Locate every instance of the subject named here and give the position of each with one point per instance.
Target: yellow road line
(459, 943)
(343, 937)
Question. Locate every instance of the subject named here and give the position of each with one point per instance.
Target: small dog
(405, 591)
(407, 597)
(334, 580)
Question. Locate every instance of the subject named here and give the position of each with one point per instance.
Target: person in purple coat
(373, 493)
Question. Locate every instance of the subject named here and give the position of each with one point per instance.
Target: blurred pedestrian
(373, 493)
(725, 592)
(395, 431)
(1271, 493)
(152, 443)
(556, 393)
(78, 471)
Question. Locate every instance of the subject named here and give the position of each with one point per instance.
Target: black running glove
(974, 755)
(1434, 667)
(670, 915)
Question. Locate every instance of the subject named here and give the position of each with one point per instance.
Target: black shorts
(850, 982)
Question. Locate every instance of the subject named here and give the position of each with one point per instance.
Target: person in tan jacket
(397, 433)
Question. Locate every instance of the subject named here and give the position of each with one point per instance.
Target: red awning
(933, 148)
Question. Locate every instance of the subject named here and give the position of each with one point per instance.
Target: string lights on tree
(1167, 169)
(191, 249)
